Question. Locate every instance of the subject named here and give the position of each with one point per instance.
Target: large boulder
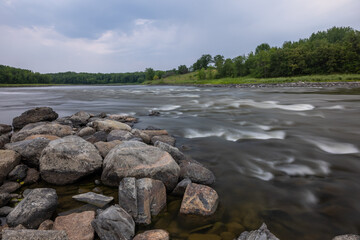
(114, 223)
(136, 159)
(38, 114)
(105, 147)
(48, 137)
(196, 172)
(26, 234)
(47, 128)
(4, 128)
(8, 160)
(38, 206)
(199, 200)
(30, 150)
(4, 139)
(109, 125)
(262, 233)
(80, 118)
(68, 159)
(121, 135)
(156, 234)
(76, 225)
(173, 151)
(100, 136)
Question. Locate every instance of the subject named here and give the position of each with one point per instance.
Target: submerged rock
(261, 233)
(347, 237)
(26, 234)
(156, 234)
(8, 160)
(38, 114)
(94, 199)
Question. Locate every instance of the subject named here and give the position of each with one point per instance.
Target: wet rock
(9, 187)
(94, 199)
(199, 200)
(235, 227)
(135, 159)
(196, 173)
(105, 147)
(36, 207)
(77, 225)
(102, 115)
(4, 211)
(347, 237)
(4, 199)
(155, 132)
(34, 115)
(227, 236)
(65, 121)
(100, 136)
(8, 160)
(30, 150)
(164, 138)
(49, 137)
(27, 234)
(121, 135)
(5, 128)
(109, 125)
(68, 159)
(173, 151)
(114, 223)
(86, 132)
(157, 234)
(198, 236)
(18, 173)
(80, 118)
(128, 196)
(46, 225)
(46, 128)
(144, 137)
(180, 188)
(154, 113)
(122, 118)
(261, 233)
(32, 176)
(4, 139)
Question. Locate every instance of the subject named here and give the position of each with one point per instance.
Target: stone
(121, 135)
(34, 115)
(65, 121)
(4, 128)
(154, 113)
(235, 227)
(48, 137)
(80, 118)
(30, 150)
(262, 233)
(46, 225)
(105, 147)
(32, 176)
(114, 223)
(136, 159)
(100, 136)
(4, 199)
(86, 131)
(164, 138)
(347, 237)
(46, 128)
(9, 187)
(94, 199)
(4, 139)
(156, 234)
(18, 173)
(199, 236)
(68, 159)
(199, 200)
(36, 207)
(173, 151)
(155, 132)
(140, 134)
(227, 236)
(180, 188)
(151, 199)
(196, 173)
(109, 125)
(122, 118)
(4, 211)
(8, 160)
(77, 225)
(26, 234)
(128, 196)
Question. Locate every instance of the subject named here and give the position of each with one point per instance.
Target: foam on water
(167, 108)
(336, 107)
(272, 104)
(332, 147)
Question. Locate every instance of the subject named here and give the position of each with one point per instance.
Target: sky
(126, 36)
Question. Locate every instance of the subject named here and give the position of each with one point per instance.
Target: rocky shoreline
(143, 164)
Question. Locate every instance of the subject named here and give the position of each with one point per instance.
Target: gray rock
(18, 173)
(46, 128)
(109, 125)
(128, 196)
(34, 235)
(94, 199)
(196, 173)
(156, 234)
(262, 233)
(181, 187)
(34, 115)
(65, 121)
(4, 211)
(30, 150)
(86, 131)
(121, 135)
(9, 187)
(114, 223)
(136, 159)
(4, 139)
(4, 199)
(80, 118)
(100, 136)
(46, 225)
(173, 151)
(105, 147)
(68, 159)
(5, 128)
(347, 237)
(32, 176)
(36, 207)
(26, 192)
(140, 134)
(8, 160)
(164, 138)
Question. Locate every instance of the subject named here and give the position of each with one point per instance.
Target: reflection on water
(287, 157)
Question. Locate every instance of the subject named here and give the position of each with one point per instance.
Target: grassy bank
(29, 85)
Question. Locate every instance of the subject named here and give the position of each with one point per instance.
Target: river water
(288, 157)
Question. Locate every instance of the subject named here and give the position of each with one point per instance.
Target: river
(288, 157)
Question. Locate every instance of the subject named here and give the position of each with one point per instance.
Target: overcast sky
(126, 36)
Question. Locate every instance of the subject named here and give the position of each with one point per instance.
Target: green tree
(182, 69)
(149, 73)
(202, 74)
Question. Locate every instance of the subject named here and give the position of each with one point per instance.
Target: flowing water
(288, 157)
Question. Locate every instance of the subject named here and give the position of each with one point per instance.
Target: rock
(4, 211)
(128, 196)
(9, 187)
(227, 236)
(94, 199)
(102, 115)
(235, 227)
(199, 200)
(80, 118)
(121, 135)
(105, 147)
(18, 173)
(46, 128)
(30, 150)
(164, 138)
(65, 121)
(261, 233)
(36, 207)
(144, 137)
(114, 223)
(136, 159)
(122, 118)
(4, 139)
(173, 151)
(151, 199)
(154, 113)
(109, 125)
(48, 137)
(4, 199)
(86, 132)
(5, 129)
(157, 234)
(8, 160)
(34, 115)
(198, 236)
(154, 132)
(77, 225)
(347, 237)
(27, 234)
(181, 187)
(32, 176)
(196, 173)
(100, 136)
(46, 225)
(68, 159)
